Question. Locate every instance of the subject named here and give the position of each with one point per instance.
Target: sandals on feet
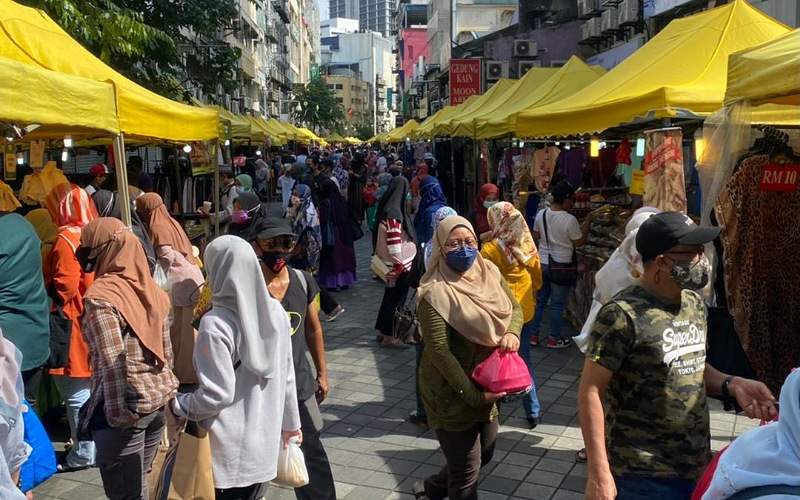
(580, 456)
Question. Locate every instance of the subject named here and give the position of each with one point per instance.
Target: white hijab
(13, 450)
(765, 456)
(238, 285)
(623, 269)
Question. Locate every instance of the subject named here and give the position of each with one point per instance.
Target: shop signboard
(10, 166)
(37, 154)
(465, 79)
(664, 184)
(203, 157)
(779, 177)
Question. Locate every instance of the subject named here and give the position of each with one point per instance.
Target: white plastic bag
(292, 470)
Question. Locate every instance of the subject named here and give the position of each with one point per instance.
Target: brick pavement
(376, 455)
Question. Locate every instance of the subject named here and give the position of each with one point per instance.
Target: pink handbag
(503, 372)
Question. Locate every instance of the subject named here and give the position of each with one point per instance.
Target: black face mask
(275, 261)
(87, 264)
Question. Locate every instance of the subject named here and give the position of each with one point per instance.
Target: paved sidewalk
(377, 455)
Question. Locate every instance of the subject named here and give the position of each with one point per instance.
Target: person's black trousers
(252, 492)
(466, 452)
(393, 297)
(321, 485)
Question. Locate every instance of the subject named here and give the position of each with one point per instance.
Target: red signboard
(780, 177)
(465, 79)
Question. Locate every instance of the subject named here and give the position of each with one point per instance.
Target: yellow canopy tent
(680, 72)
(241, 129)
(767, 73)
(464, 125)
(400, 134)
(31, 37)
(425, 131)
(448, 126)
(60, 104)
(310, 135)
(566, 81)
(336, 137)
(352, 140)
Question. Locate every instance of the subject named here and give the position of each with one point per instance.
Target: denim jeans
(630, 487)
(557, 296)
(75, 392)
(531, 401)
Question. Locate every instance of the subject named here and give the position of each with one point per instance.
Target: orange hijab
(122, 278)
(163, 229)
(70, 207)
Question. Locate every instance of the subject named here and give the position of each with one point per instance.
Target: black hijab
(107, 203)
(393, 206)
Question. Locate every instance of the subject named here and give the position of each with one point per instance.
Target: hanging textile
(522, 178)
(760, 241)
(544, 165)
(664, 183)
(571, 164)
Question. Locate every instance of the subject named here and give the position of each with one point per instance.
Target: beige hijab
(122, 278)
(474, 303)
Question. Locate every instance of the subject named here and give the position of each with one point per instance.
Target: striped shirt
(394, 247)
(127, 379)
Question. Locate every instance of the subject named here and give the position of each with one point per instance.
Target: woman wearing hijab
(418, 416)
(341, 175)
(184, 278)
(66, 283)
(357, 174)
(305, 224)
(514, 253)
(488, 194)
(13, 450)
(764, 462)
(107, 203)
(45, 229)
(247, 210)
(465, 311)
(422, 173)
(243, 183)
(432, 198)
(394, 245)
(337, 265)
(125, 324)
(246, 395)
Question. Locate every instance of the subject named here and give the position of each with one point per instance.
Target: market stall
(447, 126)
(751, 168)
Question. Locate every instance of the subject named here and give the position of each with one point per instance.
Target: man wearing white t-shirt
(556, 242)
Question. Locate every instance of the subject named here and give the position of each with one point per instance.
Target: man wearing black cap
(297, 291)
(647, 359)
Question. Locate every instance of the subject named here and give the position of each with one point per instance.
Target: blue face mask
(461, 259)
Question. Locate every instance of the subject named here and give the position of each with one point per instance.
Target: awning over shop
(464, 124)
(682, 71)
(464, 110)
(29, 36)
(425, 131)
(401, 133)
(60, 104)
(767, 73)
(530, 92)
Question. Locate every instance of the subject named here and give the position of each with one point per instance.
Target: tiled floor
(376, 455)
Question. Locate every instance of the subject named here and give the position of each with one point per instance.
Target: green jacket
(452, 400)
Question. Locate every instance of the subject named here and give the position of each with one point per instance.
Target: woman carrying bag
(395, 247)
(125, 325)
(246, 396)
(466, 311)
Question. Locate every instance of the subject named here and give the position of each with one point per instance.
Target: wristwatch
(728, 401)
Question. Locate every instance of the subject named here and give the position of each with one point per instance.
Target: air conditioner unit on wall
(247, 103)
(496, 70)
(608, 20)
(524, 66)
(588, 8)
(628, 12)
(525, 48)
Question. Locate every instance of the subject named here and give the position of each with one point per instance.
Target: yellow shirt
(524, 280)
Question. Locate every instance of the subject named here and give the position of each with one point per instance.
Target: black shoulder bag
(561, 273)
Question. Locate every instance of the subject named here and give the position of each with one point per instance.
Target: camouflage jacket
(657, 420)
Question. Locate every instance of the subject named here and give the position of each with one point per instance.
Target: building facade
(412, 54)
(370, 55)
(337, 26)
(353, 94)
(348, 9)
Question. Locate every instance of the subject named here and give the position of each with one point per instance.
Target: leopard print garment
(761, 238)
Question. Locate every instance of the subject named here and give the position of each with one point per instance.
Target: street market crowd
(151, 345)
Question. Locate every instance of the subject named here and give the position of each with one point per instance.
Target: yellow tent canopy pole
(682, 71)
(29, 36)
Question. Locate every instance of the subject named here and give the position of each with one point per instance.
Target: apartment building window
(339, 100)
(339, 86)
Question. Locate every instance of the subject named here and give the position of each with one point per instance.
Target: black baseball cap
(665, 230)
(272, 227)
